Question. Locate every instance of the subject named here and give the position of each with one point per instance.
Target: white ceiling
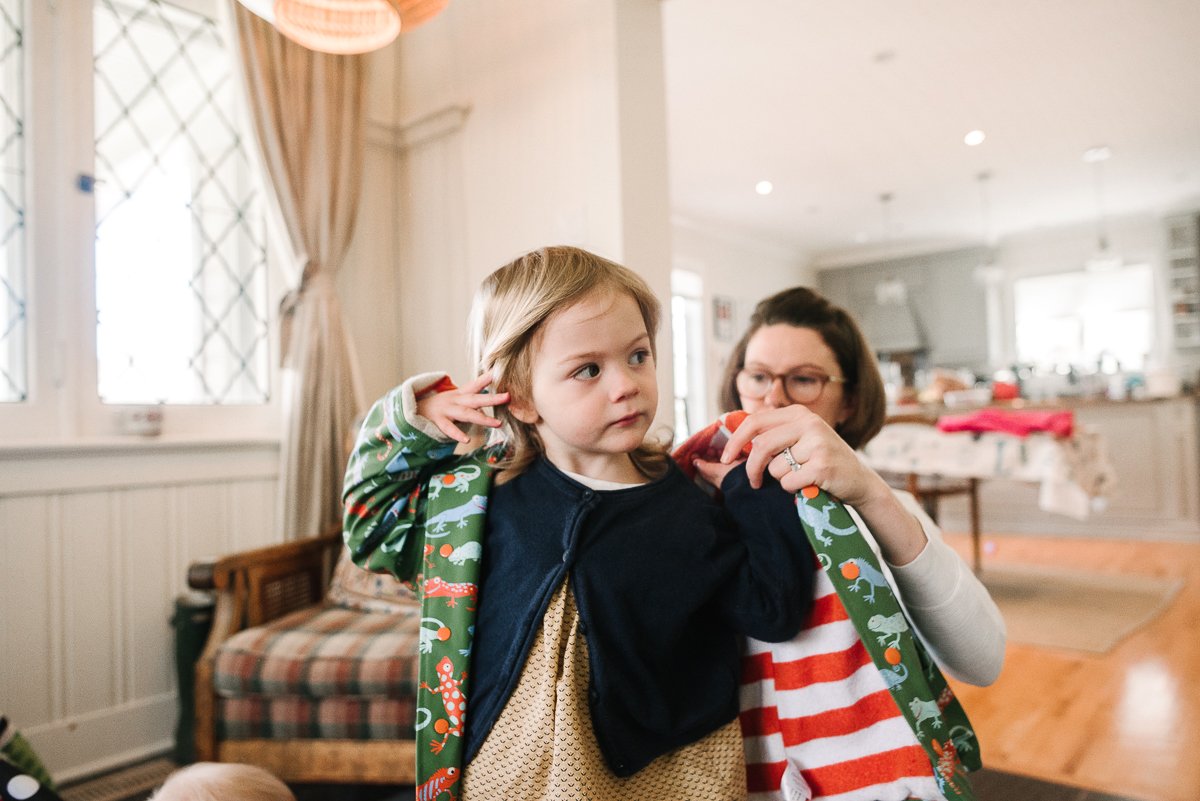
(838, 101)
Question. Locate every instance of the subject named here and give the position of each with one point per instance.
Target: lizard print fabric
(880, 693)
(414, 509)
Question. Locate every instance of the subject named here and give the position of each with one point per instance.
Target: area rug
(137, 783)
(1073, 609)
(132, 782)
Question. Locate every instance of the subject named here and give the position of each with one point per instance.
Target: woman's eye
(587, 371)
(639, 357)
(803, 380)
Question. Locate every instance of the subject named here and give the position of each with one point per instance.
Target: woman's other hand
(463, 405)
(714, 472)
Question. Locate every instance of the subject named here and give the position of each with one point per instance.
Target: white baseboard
(84, 745)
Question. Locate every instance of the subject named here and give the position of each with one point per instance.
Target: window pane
(180, 233)
(14, 380)
(1079, 318)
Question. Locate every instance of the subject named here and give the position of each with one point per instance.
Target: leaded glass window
(181, 279)
(14, 379)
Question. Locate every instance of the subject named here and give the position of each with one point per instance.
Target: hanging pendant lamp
(347, 27)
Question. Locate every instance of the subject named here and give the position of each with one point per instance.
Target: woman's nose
(776, 397)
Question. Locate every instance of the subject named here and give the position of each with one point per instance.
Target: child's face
(594, 392)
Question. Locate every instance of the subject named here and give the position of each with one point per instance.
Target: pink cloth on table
(1021, 422)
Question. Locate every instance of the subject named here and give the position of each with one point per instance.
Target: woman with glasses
(810, 381)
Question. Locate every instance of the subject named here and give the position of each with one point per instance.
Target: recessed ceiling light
(1094, 154)
(975, 137)
(764, 187)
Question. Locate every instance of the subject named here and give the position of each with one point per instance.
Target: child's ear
(523, 411)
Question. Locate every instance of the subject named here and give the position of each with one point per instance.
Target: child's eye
(640, 356)
(586, 372)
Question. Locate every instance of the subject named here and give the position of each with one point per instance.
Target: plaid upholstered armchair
(311, 677)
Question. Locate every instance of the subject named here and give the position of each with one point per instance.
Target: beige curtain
(308, 116)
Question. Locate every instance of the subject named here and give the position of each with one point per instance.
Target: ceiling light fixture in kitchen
(764, 187)
(987, 272)
(974, 138)
(1104, 259)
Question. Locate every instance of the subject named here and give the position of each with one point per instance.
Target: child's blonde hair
(222, 781)
(510, 309)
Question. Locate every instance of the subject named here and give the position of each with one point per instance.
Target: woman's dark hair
(805, 308)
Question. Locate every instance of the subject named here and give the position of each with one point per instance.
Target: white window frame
(63, 404)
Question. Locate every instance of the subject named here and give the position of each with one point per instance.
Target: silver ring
(793, 465)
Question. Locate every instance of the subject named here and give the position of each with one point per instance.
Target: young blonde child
(222, 781)
(598, 593)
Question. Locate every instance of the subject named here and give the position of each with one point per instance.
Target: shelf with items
(1183, 276)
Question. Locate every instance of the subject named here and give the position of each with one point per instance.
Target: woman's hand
(464, 405)
(823, 457)
(714, 472)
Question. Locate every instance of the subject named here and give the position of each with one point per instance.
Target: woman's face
(787, 350)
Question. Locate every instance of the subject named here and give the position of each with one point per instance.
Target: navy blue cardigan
(666, 581)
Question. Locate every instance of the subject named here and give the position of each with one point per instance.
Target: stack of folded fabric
(1021, 422)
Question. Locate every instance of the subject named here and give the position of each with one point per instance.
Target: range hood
(891, 324)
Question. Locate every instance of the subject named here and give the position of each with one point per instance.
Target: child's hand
(447, 410)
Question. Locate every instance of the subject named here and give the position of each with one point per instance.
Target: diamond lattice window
(14, 385)
(180, 236)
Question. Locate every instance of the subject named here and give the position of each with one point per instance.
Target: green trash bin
(192, 621)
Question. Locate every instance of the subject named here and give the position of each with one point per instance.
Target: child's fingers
(738, 439)
(447, 426)
(476, 385)
(480, 401)
(468, 415)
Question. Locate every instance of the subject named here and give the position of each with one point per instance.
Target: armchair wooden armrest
(254, 587)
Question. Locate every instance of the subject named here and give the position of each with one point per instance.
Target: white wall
(94, 546)
(560, 139)
(737, 266)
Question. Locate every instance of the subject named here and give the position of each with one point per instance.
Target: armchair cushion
(356, 588)
(257, 717)
(323, 651)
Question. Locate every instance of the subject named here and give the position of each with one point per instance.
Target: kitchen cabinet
(1183, 273)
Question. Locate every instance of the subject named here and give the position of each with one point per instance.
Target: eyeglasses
(801, 386)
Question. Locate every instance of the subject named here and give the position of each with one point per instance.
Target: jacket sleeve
(772, 591)
(383, 494)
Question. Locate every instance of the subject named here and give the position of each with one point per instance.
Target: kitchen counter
(1154, 448)
(936, 410)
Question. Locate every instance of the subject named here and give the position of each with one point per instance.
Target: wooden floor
(1126, 722)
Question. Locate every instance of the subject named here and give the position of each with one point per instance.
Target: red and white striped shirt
(819, 721)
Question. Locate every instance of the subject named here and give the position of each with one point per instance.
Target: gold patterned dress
(543, 746)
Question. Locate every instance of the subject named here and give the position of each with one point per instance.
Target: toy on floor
(22, 775)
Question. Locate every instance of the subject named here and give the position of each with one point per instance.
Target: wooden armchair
(928, 489)
(310, 677)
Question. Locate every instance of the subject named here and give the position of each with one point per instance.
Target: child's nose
(624, 384)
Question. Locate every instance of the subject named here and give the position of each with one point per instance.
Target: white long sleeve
(951, 609)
